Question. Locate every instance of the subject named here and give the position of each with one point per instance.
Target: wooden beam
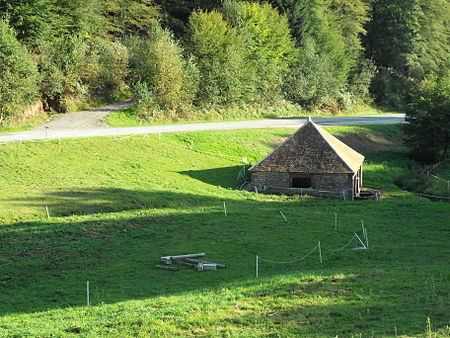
(170, 259)
(197, 261)
(165, 267)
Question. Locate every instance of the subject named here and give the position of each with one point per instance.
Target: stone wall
(336, 182)
(325, 182)
(274, 179)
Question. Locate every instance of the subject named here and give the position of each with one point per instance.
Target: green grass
(24, 125)
(118, 204)
(129, 118)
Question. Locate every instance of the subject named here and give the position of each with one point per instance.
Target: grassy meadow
(117, 204)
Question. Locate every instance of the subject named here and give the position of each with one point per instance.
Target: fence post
(320, 252)
(285, 219)
(87, 294)
(257, 267)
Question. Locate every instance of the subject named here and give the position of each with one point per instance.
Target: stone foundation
(325, 185)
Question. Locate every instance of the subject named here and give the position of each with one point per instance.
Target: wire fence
(431, 173)
(319, 247)
(345, 246)
(293, 261)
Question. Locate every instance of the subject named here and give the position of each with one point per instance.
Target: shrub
(310, 81)
(268, 42)
(428, 120)
(64, 65)
(158, 61)
(361, 80)
(147, 108)
(110, 61)
(18, 74)
(219, 52)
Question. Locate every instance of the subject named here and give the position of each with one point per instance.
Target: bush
(147, 108)
(428, 120)
(268, 42)
(158, 61)
(219, 52)
(64, 66)
(391, 88)
(310, 81)
(18, 74)
(110, 61)
(361, 80)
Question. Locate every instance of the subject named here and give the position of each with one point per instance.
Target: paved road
(51, 133)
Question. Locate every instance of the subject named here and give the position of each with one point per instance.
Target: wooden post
(87, 294)
(283, 216)
(360, 241)
(169, 259)
(367, 240)
(320, 252)
(165, 267)
(365, 234)
(257, 267)
(197, 261)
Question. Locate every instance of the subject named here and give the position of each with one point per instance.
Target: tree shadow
(105, 200)
(45, 263)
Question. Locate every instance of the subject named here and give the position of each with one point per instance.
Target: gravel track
(87, 119)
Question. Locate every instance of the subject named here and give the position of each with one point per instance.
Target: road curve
(50, 133)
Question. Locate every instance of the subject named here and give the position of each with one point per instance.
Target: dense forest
(175, 56)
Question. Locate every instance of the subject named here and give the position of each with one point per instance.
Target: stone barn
(310, 162)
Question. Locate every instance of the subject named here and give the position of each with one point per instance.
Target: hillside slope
(117, 204)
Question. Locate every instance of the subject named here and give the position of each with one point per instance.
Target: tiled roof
(311, 150)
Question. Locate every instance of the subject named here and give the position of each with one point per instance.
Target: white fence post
(320, 252)
(87, 294)
(257, 267)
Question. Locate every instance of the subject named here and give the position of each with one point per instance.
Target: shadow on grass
(45, 264)
(94, 201)
(227, 177)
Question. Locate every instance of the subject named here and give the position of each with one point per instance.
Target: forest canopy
(176, 56)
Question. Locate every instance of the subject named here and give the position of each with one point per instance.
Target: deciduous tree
(18, 74)
(428, 119)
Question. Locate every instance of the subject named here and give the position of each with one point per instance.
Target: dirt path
(87, 119)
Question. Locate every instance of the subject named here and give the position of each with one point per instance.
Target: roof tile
(311, 149)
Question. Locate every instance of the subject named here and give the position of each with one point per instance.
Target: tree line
(176, 55)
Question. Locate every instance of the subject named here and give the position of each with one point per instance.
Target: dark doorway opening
(301, 182)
